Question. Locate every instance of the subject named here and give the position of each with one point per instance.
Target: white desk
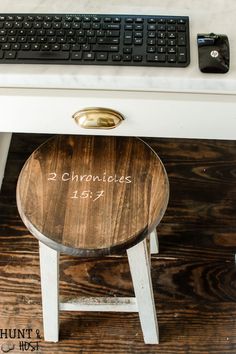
(161, 102)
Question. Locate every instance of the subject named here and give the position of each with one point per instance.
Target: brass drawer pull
(98, 118)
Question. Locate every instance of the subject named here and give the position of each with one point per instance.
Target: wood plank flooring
(194, 275)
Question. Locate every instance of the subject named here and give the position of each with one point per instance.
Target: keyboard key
(52, 40)
(92, 40)
(127, 57)
(35, 46)
(160, 58)
(182, 55)
(48, 18)
(161, 49)
(10, 55)
(171, 42)
(24, 39)
(138, 27)
(89, 56)
(106, 40)
(161, 27)
(171, 50)
(45, 47)
(128, 27)
(6, 46)
(76, 47)
(100, 33)
(65, 47)
(127, 50)
(96, 26)
(26, 46)
(181, 39)
(56, 25)
(171, 58)
(80, 40)
(151, 49)
(96, 19)
(16, 46)
(151, 41)
(161, 41)
(43, 55)
(138, 34)
(105, 48)
(151, 34)
(112, 26)
(3, 39)
(137, 58)
(181, 28)
(86, 19)
(128, 37)
(139, 20)
(116, 57)
(68, 18)
(86, 25)
(112, 33)
(39, 18)
(102, 56)
(86, 47)
(171, 28)
(76, 56)
(171, 35)
(151, 27)
(56, 47)
(90, 33)
(57, 18)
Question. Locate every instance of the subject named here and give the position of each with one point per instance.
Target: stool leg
(5, 140)
(154, 245)
(49, 269)
(142, 282)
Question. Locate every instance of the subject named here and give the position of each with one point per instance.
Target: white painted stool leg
(142, 282)
(154, 244)
(5, 140)
(49, 269)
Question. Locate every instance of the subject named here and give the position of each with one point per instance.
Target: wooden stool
(91, 196)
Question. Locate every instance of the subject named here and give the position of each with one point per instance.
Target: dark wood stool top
(92, 195)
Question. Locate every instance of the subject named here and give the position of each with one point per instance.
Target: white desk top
(205, 16)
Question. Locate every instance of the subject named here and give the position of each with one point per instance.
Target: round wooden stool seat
(92, 195)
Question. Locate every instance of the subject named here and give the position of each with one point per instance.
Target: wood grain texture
(91, 195)
(193, 275)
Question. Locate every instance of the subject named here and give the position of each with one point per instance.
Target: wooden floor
(194, 276)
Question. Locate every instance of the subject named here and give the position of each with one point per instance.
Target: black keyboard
(94, 39)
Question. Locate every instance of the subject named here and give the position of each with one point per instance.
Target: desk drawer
(146, 113)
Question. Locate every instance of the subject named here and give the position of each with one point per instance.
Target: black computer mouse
(213, 53)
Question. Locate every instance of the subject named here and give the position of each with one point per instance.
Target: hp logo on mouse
(214, 53)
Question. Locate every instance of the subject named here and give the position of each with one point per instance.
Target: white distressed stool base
(5, 140)
(154, 244)
(143, 302)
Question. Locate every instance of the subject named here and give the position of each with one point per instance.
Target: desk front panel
(180, 115)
